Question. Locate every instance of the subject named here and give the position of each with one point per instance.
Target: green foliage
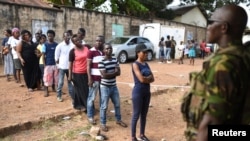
(167, 14)
(156, 8)
(127, 7)
(146, 8)
(62, 2)
(211, 5)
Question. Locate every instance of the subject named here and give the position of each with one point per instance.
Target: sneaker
(144, 138)
(59, 99)
(104, 128)
(92, 121)
(134, 139)
(121, 123)
(30, 90)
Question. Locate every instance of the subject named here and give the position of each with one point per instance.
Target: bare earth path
(44, 116)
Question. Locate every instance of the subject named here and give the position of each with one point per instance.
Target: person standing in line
(81, 33)
(37, 36)
(43, 39)
(180, 53)
(17, 64)
(110, 69)
(78, 73)
(203, 48)
(62, 57)
(50, 77)
(29, 58)
(161, 50)
(173, 45)
(191, 52)
(168, 49)
(220, 93)
(70, 34)
(14, 69)
(141, 95)
(7, 57)
(95, 55)
(186, 50)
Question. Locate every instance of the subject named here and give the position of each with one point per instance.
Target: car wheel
(150, 56)
(123, 57)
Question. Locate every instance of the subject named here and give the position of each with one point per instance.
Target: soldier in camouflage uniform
(220, 93)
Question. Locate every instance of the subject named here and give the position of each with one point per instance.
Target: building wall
(194, 17)
(95, 23)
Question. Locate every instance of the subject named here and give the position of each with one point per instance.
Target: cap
(141, 47)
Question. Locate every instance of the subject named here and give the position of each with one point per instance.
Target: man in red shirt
(203, 47)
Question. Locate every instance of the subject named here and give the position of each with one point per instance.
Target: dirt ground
(28, 116)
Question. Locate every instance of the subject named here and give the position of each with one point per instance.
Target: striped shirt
(108, 66)
(96, 56)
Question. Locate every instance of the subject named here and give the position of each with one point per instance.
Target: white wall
(154, 31)
(193, 17)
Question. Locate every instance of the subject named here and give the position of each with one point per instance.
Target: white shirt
(62, 54)
(181, 47)
(13, 43)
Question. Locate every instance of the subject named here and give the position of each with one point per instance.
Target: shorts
(50, 75)
(17, 64)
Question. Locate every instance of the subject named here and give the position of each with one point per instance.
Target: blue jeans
(168, 50)
(61, 75)
(161, 52)
(91, 98)
(140, 99)
(106, 93)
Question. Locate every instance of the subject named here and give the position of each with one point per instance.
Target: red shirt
(203, 45)
(79, 60)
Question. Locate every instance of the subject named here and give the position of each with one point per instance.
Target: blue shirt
(49, 51)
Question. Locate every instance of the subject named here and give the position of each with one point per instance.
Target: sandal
(121, 123)
(104, 128)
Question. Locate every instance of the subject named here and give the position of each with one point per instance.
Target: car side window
(142, 40)
(133, 42)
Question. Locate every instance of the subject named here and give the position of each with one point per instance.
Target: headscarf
(15, 30)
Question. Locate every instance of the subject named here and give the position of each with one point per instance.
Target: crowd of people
(219, 93)
(89, 70)
(169, 50)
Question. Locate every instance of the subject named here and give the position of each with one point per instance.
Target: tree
(138, 8)
(211, 5)
(65, 2)
(157, 8)
(126, 7)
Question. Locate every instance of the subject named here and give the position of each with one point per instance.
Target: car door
(131, 47)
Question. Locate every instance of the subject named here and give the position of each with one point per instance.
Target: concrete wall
(193, 17)
(96, 23)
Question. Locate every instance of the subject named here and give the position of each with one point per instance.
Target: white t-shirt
(13, 44)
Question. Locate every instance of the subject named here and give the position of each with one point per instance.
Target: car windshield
(119, 40)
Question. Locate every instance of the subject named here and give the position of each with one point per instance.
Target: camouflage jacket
(221, 88)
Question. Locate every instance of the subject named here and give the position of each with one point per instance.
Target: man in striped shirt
(95, 55)
(109, 68)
